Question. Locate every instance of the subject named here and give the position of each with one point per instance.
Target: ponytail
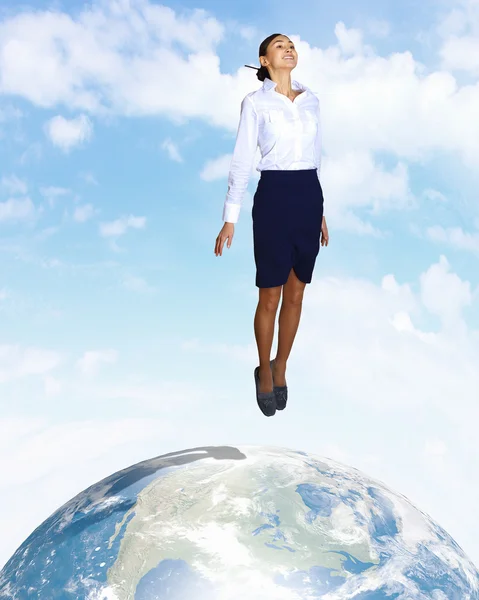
(261, 73)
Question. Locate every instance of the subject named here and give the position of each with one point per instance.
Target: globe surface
(227, 523)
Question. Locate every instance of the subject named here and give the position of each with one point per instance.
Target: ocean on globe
(231, 523)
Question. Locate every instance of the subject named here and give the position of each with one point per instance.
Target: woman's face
(281, 54)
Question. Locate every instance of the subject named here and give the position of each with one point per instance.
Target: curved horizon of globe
(257, 522)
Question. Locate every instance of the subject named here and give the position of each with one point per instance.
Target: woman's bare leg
(264, 332)
(289, 317)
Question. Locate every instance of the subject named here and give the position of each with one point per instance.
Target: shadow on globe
(230, 523)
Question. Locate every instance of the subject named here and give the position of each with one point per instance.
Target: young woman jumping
(283, 119)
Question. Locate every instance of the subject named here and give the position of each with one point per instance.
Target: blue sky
(122, 335)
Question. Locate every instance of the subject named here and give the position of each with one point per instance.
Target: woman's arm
(242, 161)
(319, 140)
(319, 151)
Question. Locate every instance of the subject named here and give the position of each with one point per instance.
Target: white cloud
(350, 40)
(375, 334)
(372, 104)
(355, 181)
(444, 294)
(14, 185)
(379, 28)
(461, 53)
(32, 153)
(89, 178)
(172, 150)
(14, 429)
(401, 321)
(52, 386)
(9, 113)
(460, 32)
(434, 195)
(52, 193)
(157, 396)
(51, 263)
(435, 447)
(122, 45)
(454, 20)
(217, 168)
(137, 284)
(67, 133)
(249, 33)
(3, 294)
(17, 362)
(92, 360)
(120, 226)
(455, 237)
(436, 458)
(16, 209)
(46, 233)
(84, 213)
(235, 351)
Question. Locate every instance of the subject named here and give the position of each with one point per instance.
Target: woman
(282, 118)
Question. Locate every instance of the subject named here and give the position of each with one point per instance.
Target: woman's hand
(226, 233)
(324, 233)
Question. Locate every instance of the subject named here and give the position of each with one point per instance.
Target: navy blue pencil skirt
(287, 214)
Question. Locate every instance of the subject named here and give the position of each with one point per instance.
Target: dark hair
(262, 72)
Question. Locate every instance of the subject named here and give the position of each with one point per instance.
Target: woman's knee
(293, 291)
(269, 298)
(293, 297)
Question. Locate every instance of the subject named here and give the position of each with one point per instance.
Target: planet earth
(230, 523)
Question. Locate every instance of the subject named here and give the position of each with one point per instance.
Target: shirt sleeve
(318, 142)
(242, 161)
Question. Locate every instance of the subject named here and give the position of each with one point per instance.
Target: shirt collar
(270, 85)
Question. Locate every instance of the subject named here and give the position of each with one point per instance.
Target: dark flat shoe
(266, 400)
(280, 393)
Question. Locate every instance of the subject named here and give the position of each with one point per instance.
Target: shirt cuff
(231, 212)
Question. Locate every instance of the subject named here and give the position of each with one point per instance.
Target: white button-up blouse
(287, 132)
